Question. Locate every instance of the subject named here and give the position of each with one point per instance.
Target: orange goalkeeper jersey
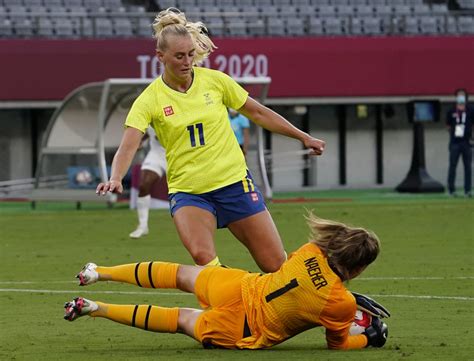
(303, 294)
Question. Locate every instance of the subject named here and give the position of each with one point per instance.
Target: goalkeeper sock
(144, 274)
(146, 317)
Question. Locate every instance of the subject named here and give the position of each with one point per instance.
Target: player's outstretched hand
(112, 186)
(369, 305)
(315, 145)
(376, 333)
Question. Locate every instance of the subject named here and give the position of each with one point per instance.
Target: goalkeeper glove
(370, 306)
(376, 333)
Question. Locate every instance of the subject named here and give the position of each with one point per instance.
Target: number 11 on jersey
(192, 130)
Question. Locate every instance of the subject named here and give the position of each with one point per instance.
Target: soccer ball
(362, 320)
(83, 177)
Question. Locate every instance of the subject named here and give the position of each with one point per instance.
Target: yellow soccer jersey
(201, 149)
(303, 294)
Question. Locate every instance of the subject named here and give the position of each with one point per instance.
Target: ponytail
(348, 249)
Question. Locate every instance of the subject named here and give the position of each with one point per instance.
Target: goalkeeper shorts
(222, 323)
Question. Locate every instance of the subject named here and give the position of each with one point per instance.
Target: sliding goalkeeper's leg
(147, 317)
(143, 274)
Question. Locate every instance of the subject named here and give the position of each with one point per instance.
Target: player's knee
(144, 189)
(184, 318)
(273, 264)
(184, 281)
(187, 320)
(202, 256)
(270, 268)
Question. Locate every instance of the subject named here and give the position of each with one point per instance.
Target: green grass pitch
(424, 275)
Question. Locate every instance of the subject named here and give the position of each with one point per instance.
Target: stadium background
(325, 59)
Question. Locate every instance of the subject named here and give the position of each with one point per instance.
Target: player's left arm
(272, 121)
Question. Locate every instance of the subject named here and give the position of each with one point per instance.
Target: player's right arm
(338, 337)
(341, 340)
(337, 316)
(131, 140)
(136, 124)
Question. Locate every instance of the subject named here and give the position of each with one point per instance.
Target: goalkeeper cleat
(139, 232)
(79, 307)
(88, 274)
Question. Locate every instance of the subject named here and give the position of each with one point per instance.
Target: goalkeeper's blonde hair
(173, 22)
(348, 249)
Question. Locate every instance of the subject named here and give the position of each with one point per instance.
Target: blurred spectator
(459, 121)
(240, 126)
(453, 5)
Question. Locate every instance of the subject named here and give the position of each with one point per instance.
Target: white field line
(357, 279)
(427, 297)
(36, 282)
(82, 291)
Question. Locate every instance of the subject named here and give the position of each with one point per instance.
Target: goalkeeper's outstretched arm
(341, 340)
(375, 335)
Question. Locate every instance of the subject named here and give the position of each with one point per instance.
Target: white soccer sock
(143, 209)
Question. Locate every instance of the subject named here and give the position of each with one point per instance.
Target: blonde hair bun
(173, 22)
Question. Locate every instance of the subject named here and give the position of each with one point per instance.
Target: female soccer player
(208, 180)
(249, 310)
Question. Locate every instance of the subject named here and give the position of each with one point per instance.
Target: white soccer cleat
(79, 307)
(139, 232)
(88, 274)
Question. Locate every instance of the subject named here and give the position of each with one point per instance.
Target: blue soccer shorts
(228, 204)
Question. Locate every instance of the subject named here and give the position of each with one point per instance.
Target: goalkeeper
(251, 311)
